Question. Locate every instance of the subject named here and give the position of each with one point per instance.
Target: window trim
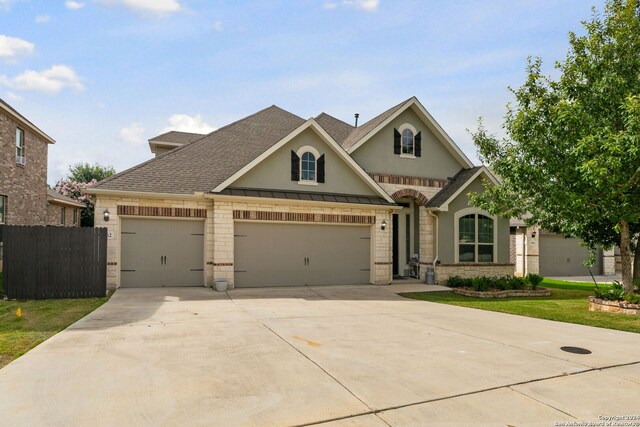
(316, 154)
(63, 215)
(401, 129)
(456, 235)
(20, 148)
(75, 216)
(4, 209)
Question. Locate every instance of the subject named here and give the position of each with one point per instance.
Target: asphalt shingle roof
(177, 137)
(337, 129)
(61, 198)
(361, 131)
(207, 162)
(460, 179)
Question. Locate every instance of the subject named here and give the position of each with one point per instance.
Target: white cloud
(217, 26)
(132, 134)
(160, 7)
(42, 19)
(50, 81)
(368, 5)
(185, 123)
(5, 4)
(13, 97)
(329, 5)
(11, 47)
(74, 5)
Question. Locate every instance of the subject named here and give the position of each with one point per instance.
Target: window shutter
(320, 169)
(295, 166)
(417, 150)
(397, 141)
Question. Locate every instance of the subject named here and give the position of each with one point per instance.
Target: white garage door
(161, 252)
(564, 257)
(267, 254)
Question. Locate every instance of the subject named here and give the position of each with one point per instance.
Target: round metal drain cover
(576, 350)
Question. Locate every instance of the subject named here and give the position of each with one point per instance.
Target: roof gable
(322, 135)
(362, 134)
(457, 185)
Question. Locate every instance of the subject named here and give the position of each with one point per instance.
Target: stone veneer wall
(219, 227)
(24, 186)
(444, 271)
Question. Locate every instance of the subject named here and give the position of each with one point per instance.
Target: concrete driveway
(348, 355)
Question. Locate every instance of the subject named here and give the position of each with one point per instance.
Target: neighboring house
(23, 169)
(539, 251)
(276, 200)
(62, 210)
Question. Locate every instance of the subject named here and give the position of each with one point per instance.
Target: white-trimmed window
(20, 146)
(308, 167)
(407, 142)
(476, 236)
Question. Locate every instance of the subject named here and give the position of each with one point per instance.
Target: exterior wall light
(533, 235)
(105, 215)
(383, 226)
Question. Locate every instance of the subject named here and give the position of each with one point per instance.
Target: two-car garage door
(162, 252)
(273, 254)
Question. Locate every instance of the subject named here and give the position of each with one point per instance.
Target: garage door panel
(560, 256)
(268, 254)
(162, 252)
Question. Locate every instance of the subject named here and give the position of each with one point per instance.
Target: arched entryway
(406, 233)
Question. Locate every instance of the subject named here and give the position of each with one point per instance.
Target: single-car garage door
(564, 257)
(268, 254)
(162, 252)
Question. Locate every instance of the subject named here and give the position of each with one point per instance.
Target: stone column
(532, 250)
(609, 262)
(381, 250)
(223, 242)
(427, 236)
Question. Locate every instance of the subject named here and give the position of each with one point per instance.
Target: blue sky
(103, 76)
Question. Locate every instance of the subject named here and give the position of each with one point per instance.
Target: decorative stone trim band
(596, 304)
(409, 192)
(540, 292)
(223, 264)
(383, 263)
(112, 263)
(408, 180)
(164, 212)
(478, 264)
(303, 217)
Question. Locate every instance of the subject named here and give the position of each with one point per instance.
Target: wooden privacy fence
(54, 262)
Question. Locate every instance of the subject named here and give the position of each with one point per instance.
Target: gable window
(3, 209)
(20, 159)
(307, 166)
(75, 216)
(475, 238)
(407, 141)
(63, 213)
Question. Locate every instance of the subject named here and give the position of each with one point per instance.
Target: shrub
(503, 283)
(632, 298)
(614, 292)
(458, 282)
(534, 280)
(481, 283)
(517, 282)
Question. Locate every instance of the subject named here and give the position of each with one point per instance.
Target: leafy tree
(572, 156)
(74, 190)
(85, 172)
(81, 176)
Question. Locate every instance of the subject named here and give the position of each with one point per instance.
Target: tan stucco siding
(446, 227)
(274, 172)
(376, 154)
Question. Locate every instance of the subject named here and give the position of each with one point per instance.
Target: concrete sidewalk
(589, 279)
(344, 355)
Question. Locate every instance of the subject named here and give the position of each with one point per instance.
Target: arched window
(476, 238)
(407, 142)
(308, 167)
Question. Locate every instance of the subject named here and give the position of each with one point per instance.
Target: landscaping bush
(533, 280)
(481, 283)
(517, 282)
(458, 282)
(614, 292)
(503, 283)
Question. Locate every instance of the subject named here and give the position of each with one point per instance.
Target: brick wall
(444, 271)
(54, 215)
(24, 186)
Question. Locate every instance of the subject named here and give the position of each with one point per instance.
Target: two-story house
(277, 200)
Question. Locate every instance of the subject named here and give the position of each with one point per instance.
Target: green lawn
(40, 320)
(567, 303)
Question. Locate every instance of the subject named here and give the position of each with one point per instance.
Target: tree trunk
(625, 252)
(636, 266)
